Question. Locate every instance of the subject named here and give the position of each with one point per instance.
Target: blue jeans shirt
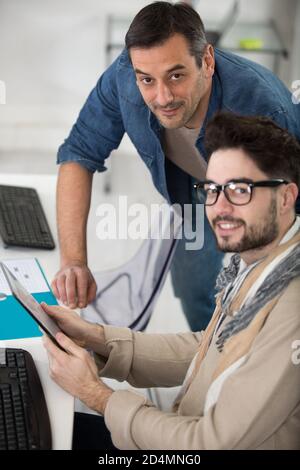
(115, 106)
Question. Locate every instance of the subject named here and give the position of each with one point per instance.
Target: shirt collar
(291, 232)
(215, 101)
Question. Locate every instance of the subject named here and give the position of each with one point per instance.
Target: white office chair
(126, 296)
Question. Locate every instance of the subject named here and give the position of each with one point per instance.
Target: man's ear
(208, 61)
(289, 197)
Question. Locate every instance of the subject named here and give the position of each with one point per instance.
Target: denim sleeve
(292, 124)
(99, 127)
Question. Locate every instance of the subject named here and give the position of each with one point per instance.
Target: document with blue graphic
(15, 322)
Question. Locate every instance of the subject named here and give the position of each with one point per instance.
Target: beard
(173, 122)
(256, 236)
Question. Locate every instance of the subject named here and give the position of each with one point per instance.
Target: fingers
(92, 291)
(64, 287)
(74, 286)
(82, 287)
(55, 289)
(61, 287)
(69, 345)
(54, 311)
(53, 350)
(70, 289)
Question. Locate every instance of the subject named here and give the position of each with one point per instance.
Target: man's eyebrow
(234, 180)
(240, 180)
(172, 69)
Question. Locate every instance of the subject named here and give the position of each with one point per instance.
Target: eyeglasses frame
(272, 183)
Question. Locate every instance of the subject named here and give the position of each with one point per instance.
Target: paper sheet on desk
(28, 272)
(15, 321)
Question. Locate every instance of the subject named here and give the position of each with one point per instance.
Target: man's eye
(176, 76)
(212, 190)
(146, 80)
(241, 189)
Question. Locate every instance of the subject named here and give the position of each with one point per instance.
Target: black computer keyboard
(24, 419)
(22, 219)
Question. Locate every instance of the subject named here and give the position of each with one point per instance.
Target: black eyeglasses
(238, 192)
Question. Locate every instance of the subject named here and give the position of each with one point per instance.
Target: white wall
(284, 14)
(295, 65)
(52, 52)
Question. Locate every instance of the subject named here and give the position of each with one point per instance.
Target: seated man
(241, 381)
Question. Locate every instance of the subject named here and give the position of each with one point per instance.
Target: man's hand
(76, 372)
(74, 285)
(70, 323)
(82, 332)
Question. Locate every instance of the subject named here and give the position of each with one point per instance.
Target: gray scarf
(275, 283)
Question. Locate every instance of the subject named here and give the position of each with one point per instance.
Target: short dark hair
(157, 22)
(273, 149)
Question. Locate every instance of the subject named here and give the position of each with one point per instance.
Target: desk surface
(60, 404)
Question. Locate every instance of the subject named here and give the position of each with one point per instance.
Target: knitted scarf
(274, 284)
(238, 335)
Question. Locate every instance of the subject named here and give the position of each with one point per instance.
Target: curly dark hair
(157, 22)
(273, 149)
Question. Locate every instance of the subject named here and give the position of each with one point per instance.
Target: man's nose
(223, 206)
(164, 95)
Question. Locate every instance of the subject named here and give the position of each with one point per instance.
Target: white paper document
(28, 272)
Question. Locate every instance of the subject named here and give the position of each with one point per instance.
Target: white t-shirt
(179, 147)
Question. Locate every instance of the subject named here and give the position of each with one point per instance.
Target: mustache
(169, 107)
(226, 218)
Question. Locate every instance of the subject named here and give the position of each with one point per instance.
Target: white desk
(60, 404)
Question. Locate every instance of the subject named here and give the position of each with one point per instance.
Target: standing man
(241, 380)
(161, 91)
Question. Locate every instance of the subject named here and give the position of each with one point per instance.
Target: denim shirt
(116, 106)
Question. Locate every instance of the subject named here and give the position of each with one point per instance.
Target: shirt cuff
(117, 357)
(67, 155)
(119, 413)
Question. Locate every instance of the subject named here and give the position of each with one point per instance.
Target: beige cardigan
(258, 406)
